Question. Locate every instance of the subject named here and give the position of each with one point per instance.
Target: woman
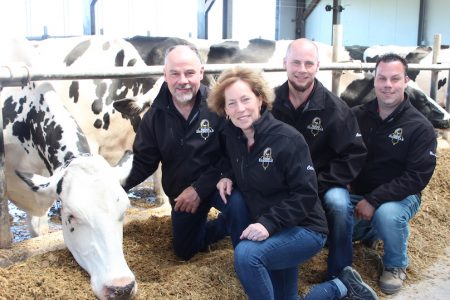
(271, 164)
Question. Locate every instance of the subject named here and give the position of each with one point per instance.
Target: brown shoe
(391, 280)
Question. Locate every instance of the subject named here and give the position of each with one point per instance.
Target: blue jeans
(269, 269)
(192, 232)
(328, 290)
(339, 212)
(390, 223)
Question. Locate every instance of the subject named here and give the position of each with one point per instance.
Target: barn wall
(29, 18)
(368, 22)
(437, 21)
(286, 21)
(365, 22)
(144, 17)
(253, 19)
(215, 20)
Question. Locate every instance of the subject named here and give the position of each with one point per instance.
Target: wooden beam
(300, 30)
(310, 8)
(5, 232)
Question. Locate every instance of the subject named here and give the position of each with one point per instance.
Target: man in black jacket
(185, 136)
(334, 140)
(401, 159)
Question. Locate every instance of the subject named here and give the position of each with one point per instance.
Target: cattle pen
(21, 75)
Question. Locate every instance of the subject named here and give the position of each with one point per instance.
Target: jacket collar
(315, 101)
(372, 108)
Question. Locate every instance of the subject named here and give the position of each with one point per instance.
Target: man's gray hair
(192, 47)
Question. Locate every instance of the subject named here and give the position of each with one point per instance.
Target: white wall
(365, 22)
(368, 22)
(28, 17)
(253, 19)
(142, 17)
(215, 19)
(437, 20)
(286, 22)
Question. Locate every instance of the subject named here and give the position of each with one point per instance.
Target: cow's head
(92, 214)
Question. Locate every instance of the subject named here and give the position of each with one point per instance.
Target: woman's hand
(255, 232)
(225, 186)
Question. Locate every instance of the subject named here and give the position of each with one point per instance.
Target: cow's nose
(123, 292)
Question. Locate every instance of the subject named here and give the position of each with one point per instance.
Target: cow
(90, 100)
(48, 158)
(109, 132)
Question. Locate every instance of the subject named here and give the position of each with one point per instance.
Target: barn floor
(147, 246)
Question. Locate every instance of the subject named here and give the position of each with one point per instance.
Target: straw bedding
(160, 275)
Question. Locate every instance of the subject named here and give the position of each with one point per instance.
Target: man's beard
(184, 97)
(300, 88)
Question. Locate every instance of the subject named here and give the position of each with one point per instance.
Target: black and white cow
(48, 158)
(90, 101)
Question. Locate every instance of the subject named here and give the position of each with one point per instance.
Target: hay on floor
(160, 275)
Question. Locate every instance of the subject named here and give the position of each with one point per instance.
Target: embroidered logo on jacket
(266, 158)
(204, 130)
(396, 136)
(315, 126)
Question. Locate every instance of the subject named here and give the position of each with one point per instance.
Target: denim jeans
(390, 223)
(269, 269)
(328, 290)
(192, 232)
(339, 212)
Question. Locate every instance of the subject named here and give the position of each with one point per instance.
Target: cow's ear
(123, 167)
(128, 107)
(39, 184)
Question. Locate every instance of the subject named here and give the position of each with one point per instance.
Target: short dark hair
(391, 57)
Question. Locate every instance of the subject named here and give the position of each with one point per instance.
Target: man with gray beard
(334, 139)
(180, 132)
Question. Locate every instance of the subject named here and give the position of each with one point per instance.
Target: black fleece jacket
(331, 131)
(401, 153)
(189, 150)
(276, 176)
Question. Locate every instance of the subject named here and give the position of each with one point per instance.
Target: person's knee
(242, 253)
(337, 199)
(236, 203)
(182, 250)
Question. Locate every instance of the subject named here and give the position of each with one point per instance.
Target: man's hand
(255, 232)
(225, 186)
(188, 201)
(364, 210)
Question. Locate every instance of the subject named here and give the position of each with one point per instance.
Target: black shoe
(356, 288)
